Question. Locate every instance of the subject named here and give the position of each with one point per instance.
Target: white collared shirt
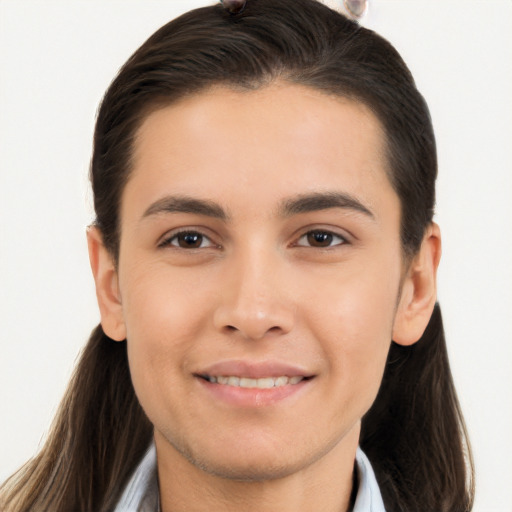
(141, 493)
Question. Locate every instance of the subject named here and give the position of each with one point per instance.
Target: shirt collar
(368, 497)
(141, 492)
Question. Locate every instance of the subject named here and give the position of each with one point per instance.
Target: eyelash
(168, 241)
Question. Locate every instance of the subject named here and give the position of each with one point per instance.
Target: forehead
(279, 140)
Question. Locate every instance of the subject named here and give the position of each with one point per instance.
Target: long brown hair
(414, 434)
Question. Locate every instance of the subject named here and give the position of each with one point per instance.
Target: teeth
(267, 382)
(281, 381)
(233, 381)
(245, 382)
(248, 383)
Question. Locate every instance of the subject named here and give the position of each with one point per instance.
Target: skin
(319, 286)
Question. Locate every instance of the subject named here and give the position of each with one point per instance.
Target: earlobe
(419, 290)
(107, 286)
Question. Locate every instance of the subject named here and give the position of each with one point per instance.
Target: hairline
(284, 76)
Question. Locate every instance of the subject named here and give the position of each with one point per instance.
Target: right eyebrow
(186, 204)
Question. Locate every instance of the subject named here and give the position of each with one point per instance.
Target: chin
(247, 470)
(249, 461)
(243, 461)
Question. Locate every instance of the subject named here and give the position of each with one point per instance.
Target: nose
(255, 302)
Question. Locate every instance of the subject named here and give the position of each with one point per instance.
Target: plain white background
(56, 60)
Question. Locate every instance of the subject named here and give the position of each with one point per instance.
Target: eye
(188, 240)
(319, 238)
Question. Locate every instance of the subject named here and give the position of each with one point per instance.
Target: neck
(326, 484)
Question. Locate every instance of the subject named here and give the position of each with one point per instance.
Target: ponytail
(98, 436)
(414, 434)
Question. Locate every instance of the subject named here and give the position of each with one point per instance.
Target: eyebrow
(322, 201)
(185, 204)
(304, 203)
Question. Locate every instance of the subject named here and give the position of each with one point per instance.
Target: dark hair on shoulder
(414, 434)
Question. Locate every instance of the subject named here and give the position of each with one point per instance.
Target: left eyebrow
(316, 201)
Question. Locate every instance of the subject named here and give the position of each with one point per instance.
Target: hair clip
(234, 6)
(356, 8)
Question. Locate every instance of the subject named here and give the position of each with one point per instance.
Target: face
(259, 273)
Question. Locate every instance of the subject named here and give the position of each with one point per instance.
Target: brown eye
(320, 238)
(188, 240)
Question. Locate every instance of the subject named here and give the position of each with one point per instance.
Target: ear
(419, 290)
(107, 286)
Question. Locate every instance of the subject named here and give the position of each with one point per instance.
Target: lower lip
(252, 397)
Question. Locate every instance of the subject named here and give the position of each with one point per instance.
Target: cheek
(159, 302)
(355, 320)
(357, 304)
(164, 316)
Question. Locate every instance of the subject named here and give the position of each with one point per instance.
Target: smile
(246, 382)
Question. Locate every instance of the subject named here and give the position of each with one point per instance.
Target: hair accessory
(356, 8)
(234, 6)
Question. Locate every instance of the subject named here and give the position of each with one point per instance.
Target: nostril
(252, 333)
(253, 319)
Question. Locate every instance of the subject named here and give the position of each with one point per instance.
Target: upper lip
(253, 370)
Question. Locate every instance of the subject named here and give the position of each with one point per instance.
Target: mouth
(253, 384)
(250, 383)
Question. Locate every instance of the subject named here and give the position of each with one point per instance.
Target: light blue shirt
(141, 492)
